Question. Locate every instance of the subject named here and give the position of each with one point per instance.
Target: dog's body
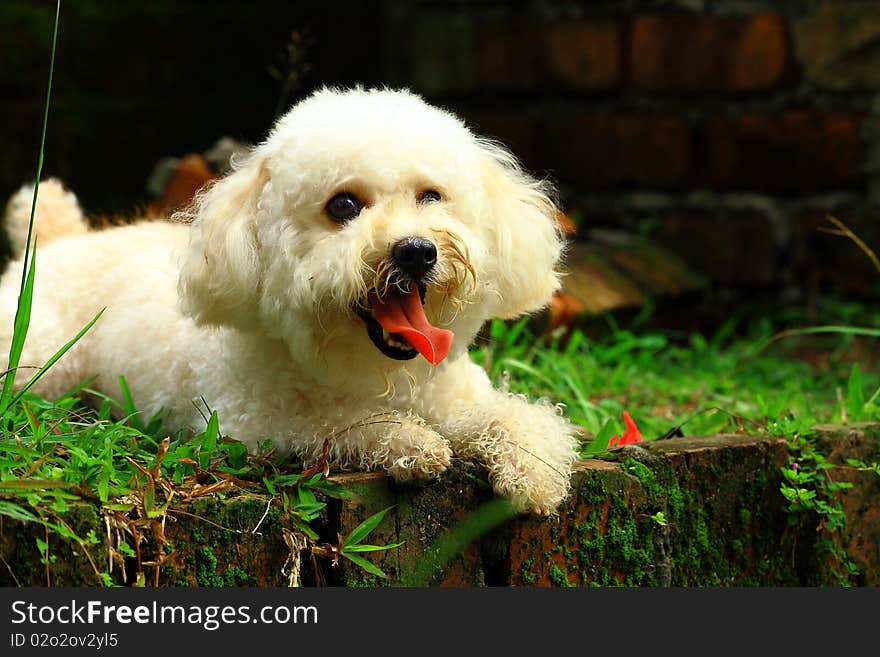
(368, 237)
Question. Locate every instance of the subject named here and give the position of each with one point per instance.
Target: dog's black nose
(414, 256)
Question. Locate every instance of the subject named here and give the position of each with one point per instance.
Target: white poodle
(329, 287)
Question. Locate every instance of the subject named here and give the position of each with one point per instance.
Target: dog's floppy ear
(525, 231)
(219, 277)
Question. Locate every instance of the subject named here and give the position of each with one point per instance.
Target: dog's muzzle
(395, 318)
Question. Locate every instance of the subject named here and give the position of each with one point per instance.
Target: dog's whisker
(370, 420)
(459, 258)
(443, 303)
(411, 378)
(388, 393)
(387, 283)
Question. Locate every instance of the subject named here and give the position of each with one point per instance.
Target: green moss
(206, 567)
(526, 575)
(559, 576)
(236, 576)
(736, 546)
(216, 548)
(704, 541)
(640, 471)
(68, 564)
(361, 579)
(612, 547)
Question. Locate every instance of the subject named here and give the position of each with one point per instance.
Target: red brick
(582, 55)
(736, 248)
(508, 55)
(516, 55)
(760, 56)
(690, 52)
(795, 151)
(601, 150)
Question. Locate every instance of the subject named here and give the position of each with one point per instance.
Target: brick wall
(138, 81)
(725, 129)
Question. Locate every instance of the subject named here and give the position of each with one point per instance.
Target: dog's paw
(415, 452)
(530, 467)
(537, 490)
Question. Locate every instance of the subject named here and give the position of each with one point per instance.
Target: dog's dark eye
(344, 207)
(429, 196)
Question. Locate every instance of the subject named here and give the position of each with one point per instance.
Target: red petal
(630, 435)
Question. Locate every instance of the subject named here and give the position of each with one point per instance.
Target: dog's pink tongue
(406, 317)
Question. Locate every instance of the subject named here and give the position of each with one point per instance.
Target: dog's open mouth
(398, 327)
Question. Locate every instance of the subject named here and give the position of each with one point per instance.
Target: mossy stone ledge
(696, 511)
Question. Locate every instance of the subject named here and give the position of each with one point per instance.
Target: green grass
(692, 383)
(56, 453)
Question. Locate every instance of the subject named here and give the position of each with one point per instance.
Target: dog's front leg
(528, 448)
(399, 443)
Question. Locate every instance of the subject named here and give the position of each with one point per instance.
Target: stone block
(419, 516)
(715, 530)
(861, 537)
(583, 55)
(69, 563)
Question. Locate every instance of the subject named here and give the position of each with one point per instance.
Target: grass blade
(484, 519)
(19, 332)
(366, 565)
(600, 442)
(855, 399)
(363, 547)
(360, 532)
(528, 369)
(25, 290)
(16, 512)
(811, 330)
(128, 406)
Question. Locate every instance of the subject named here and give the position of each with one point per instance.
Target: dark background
(723, 130)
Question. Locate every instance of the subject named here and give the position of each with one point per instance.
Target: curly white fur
(248, 301)
(53, 201)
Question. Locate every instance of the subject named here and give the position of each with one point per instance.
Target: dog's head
(371, 227)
